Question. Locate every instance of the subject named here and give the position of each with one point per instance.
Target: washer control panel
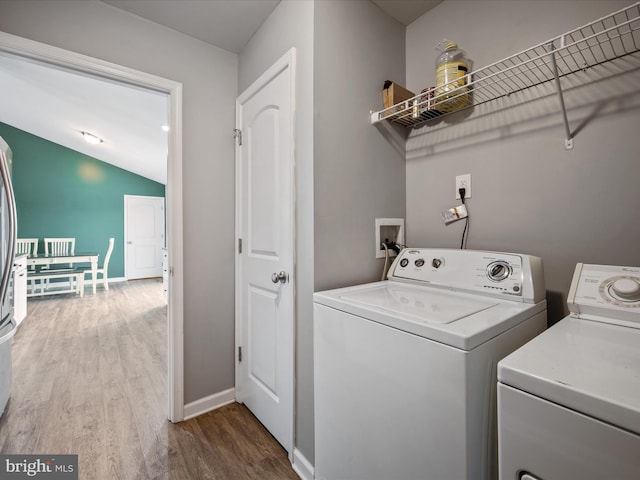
(515, 276)
(607, 291)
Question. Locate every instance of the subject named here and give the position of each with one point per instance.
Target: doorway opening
(88, 66)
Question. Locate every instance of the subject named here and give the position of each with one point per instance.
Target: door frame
(59, 57)
(288, 60)
(127, 202)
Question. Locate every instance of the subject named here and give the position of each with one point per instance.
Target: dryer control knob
(627, 289)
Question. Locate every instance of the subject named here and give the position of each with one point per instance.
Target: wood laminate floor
(89, 378)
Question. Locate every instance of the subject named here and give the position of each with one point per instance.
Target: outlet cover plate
(463, 181)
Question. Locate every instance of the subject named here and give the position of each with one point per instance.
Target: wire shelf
(608, 38)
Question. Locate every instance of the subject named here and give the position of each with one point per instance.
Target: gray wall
(208, 75)
(530, 195)
(358, 174)
(291, 25)
(347, 173)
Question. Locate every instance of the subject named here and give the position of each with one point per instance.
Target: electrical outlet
(463, 181)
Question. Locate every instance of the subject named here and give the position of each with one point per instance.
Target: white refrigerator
(7, 256)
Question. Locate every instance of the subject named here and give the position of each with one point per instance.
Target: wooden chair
(105, 266)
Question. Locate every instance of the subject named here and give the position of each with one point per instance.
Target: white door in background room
(265, 256)
(144, 234)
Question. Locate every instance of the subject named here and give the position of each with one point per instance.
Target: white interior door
(264, 269)
(144, 236)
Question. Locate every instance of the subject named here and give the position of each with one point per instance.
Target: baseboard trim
(302, 466)
(209, 403)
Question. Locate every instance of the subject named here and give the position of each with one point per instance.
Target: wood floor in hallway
(89, 378)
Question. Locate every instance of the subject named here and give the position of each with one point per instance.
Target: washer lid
(419, 304)
(587, 366)
(458, 319)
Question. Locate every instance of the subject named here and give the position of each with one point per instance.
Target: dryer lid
(588, 366)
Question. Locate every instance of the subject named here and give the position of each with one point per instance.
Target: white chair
(27, 246)
(105, 266)
(59, 246)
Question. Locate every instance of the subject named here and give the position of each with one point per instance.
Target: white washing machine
(569, 400)
(405, 369)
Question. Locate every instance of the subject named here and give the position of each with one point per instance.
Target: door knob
(279, 277)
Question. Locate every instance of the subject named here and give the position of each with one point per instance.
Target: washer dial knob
(626, 289)
(437, 262)
(498, 270)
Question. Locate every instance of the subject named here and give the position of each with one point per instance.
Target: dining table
(92, 258)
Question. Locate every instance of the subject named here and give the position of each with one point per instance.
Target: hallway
(89, 378)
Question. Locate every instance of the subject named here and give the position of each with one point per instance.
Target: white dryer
(569, 400)
(405, 369)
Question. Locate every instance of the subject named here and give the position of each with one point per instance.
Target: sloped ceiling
(58, 105)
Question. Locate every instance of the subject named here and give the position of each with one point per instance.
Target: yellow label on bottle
(451, 93)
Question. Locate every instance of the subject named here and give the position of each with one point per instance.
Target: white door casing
(144, 236)
(265, 206)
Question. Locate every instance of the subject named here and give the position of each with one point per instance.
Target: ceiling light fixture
(91, 138)
(165, 128)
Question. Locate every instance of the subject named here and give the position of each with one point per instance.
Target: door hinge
(237, 133)
(239, 245)
(239, 354)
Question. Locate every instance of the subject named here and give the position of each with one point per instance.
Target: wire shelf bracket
(568, 140)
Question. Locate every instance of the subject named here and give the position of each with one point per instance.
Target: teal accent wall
(63, 193)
